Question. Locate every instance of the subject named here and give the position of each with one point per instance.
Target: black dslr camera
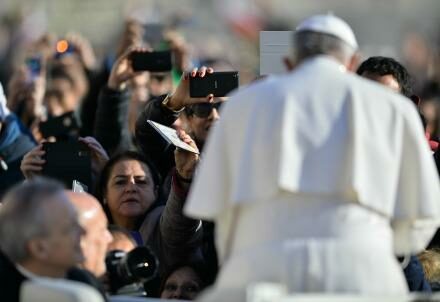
(128, 271)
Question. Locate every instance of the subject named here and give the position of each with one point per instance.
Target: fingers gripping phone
(218, 83)
(68, 161)
(156, 61)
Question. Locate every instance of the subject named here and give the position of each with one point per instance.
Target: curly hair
(388, 66)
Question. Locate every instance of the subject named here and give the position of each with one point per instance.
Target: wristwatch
(166, 101)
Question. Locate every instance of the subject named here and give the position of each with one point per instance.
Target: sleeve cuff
(180, 186)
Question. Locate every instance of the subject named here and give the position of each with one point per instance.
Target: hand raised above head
(181, 97)
(122, 69)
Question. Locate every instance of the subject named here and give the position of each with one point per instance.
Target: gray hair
(23, 216)
(309, 43)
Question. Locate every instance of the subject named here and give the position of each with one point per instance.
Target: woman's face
(182, 284)
(130, 190)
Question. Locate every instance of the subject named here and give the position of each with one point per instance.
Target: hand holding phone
(181, 96)
(218, 84)
(123, 70)
(67, 161)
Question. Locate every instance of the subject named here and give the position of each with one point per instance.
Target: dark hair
(57, 71)
(197, 266)
(388, 66)
(106, 171)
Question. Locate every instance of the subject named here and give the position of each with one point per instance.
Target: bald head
(86, 205)
(93, 219)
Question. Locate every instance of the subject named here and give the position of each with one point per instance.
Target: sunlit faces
(130, 191)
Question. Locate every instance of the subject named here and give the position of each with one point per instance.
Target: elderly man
(97, 237)
(317, 177)
(39, 235)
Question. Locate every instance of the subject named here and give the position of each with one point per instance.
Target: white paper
(170, 135)
(274, 47)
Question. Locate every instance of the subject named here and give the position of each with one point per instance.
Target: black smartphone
(68, 161)
(62, 126)
(156, 61)
(218, 83)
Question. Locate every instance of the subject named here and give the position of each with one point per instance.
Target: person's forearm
(177, 230)
(111, 122)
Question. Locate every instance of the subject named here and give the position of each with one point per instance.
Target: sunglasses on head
(203, 110)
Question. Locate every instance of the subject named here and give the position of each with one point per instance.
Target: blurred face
(201, 121)
(130, 191)
(183, 284)
(160, 83)
(62, 244)
(94, 243)
(387, 80)
(69, 100)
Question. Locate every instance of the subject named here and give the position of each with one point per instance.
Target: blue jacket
(15, 142)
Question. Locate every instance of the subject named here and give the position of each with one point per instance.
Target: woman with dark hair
(183, 281)
(129, 191)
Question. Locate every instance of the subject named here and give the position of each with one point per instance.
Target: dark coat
(11, 280)
(150, 141)
(111, 121)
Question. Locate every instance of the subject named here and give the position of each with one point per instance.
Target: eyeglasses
(203, 110)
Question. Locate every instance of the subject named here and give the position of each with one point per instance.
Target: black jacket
(11, 280)
(150, 141)
(111, 121)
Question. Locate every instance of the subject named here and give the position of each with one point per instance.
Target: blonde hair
(430, 260)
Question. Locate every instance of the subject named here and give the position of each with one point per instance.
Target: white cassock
(316, 179)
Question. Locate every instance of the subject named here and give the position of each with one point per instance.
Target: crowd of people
(319, 179)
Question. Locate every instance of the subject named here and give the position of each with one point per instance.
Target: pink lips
(130, 200)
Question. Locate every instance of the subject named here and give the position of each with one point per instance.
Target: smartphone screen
(218, 83)
(156, 61)
(67, 161)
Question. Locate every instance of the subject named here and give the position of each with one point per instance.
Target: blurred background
(405, 29)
